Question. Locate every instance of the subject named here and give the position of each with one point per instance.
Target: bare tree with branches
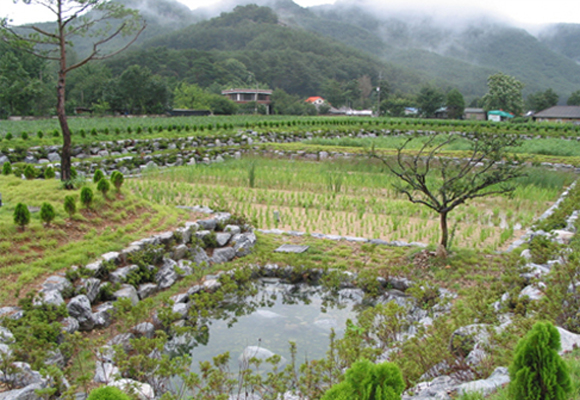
(440, 182)
(100, 19)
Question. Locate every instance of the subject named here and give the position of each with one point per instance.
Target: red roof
(313, 99)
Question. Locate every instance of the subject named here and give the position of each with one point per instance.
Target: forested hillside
(482, 45)
(341, 52)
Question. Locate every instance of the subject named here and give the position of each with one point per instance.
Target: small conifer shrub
(29, 172)
(537, 371)
(103, 186)
(98, 176)
(49, 173)
(24, 135)
(87, 196)
(70, 205)
(367, 381)
(108, 393)
(9, 136)
(117, 180)
(7, 168)
(21, 215)
(47, 213)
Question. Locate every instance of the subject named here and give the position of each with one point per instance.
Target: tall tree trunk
(444, 230)
(65, 164)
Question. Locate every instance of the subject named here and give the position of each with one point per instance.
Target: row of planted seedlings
(108, 128)
(294, 195)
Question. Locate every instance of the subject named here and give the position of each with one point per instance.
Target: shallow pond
(276, 314)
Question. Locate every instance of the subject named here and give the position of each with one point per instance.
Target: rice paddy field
(352, 197)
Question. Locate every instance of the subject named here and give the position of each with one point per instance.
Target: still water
(276, 314)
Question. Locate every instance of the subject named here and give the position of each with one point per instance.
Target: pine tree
(538, 372)
(367, 381)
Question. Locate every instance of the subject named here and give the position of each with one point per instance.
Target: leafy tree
(194, 97)
(47, 213)
(455, 104)
(21, 215)
(442, 183)
(542, 100)
(429, 100)
(284, 103)
(537, 371)
(574, 99)
(87, 196)
(138, 91)
(367, 381)
(73, 19)
(394, 106)
(70, 205)
(504, 93)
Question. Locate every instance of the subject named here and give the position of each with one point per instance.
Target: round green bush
(367, 381)
(29, 172)
(108, 393)
(87, 196)
(70, 205)
(49, 173)
(9, 136)
(537, 371)
(40, 134)
(24, 135)
(103, 186)
(47, 213)
(98, 176)
(21, 215)
(55, 133)
(7, 168)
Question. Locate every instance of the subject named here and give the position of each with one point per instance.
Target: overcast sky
(525, 12)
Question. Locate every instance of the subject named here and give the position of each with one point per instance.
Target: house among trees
(243, 96)
(498, 115)
(317, 101)
(474, 114)
(559, 114)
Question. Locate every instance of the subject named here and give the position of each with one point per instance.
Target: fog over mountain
(450, 44)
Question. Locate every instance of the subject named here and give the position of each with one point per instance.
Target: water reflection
(271, 315)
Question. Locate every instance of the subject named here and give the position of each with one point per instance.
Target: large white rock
(144, 391)
(258, 353)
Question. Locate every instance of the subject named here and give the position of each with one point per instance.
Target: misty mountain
(466, 51)
(291, 58)
(563, 39)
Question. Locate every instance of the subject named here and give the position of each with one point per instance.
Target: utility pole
(379, 95)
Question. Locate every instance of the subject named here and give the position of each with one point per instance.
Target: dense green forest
(340, 53)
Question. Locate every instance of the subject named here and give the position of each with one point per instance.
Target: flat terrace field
(347, 197)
